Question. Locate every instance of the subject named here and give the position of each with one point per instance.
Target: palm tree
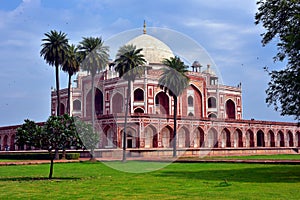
(94, 56)
(54, 48)
(129, 65)
(174, 80)
(71, 66)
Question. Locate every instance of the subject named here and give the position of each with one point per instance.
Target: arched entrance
(260, 138)
(166, 137)
(5, 143)
(230, 109)
(290, 139)
(249, 138)
(183, 138)
(98, 103)
(198, 137)
(225, 138)
(138, 94)
(111, 138)
(237, 138)
(150, 140)
(280, 139)
(12, 142)
(162, 103)
(198, 107)
(131, 138)
(271, 138)
(212, 137)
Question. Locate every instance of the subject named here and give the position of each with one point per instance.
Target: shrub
(26, 156)
(72, 156)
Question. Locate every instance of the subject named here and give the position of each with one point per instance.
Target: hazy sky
(225, 28)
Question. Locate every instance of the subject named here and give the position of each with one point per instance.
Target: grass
(176, 181)
(251, 157)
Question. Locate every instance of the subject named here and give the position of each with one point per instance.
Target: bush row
(37, 156)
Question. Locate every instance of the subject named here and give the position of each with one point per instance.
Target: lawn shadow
(267, 174)
(38, 178)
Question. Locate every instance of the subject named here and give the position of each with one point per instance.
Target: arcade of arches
(215, 134)
(151, 136)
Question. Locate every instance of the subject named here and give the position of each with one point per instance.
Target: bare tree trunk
(69, 96)
(57, 89)
(51, 165)
(175, 127)
(63, 154)
(56, 154)
(93, 102)
(125, 124)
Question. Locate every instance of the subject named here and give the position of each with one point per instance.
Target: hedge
(36, 156)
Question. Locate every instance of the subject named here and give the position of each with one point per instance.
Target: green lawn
(176, 181)
(252, 157)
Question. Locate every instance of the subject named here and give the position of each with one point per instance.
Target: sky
(224, 28)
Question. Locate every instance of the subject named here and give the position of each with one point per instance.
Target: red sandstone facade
(209, 114)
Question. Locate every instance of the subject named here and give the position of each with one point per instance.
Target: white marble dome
(154, 50)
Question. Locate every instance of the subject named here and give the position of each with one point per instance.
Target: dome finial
(144, 31)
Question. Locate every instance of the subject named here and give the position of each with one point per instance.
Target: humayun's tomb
(209, 113)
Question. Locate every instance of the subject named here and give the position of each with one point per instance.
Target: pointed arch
(183, 138)
(98, 102)
(260, 138)
(212, 137)
(198, 137)
(166, 136)
(271, 138)
(249, 138)
(5, 142)
(117, 103)
(230, 109)
(12, 142)
(280, 139)
(198, 101)
(290, 139)
(110, 138)
(162, 102)
(131, 138)
(226, 140)
(150, 137)
(138, 94)
(238, 138)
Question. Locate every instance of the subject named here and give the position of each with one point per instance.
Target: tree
(281, 20)
(29, 134)
(57, 133)
(94, 56)
(54, 48)
(173, 80)
(71, 66)
(129, 65)
(88, 137)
